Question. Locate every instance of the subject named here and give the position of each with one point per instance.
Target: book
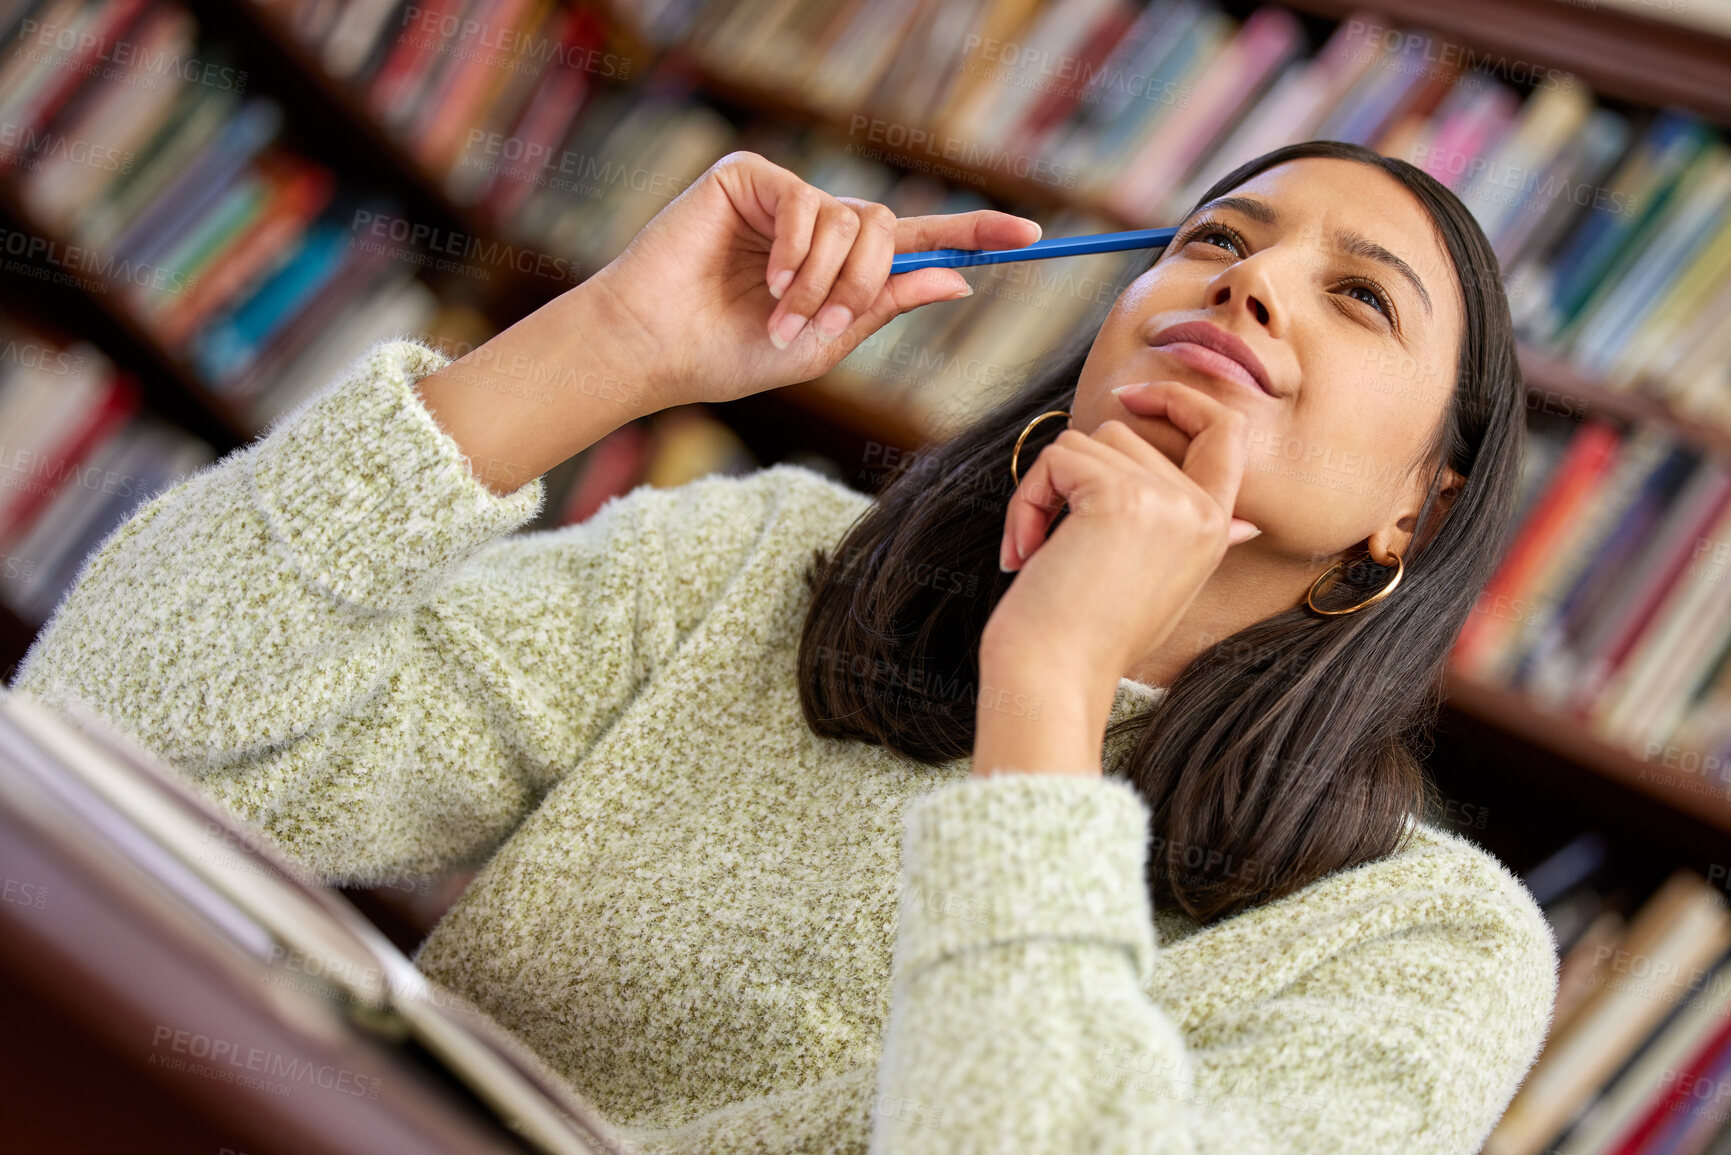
(298, 191)
(1632, 1105)
(43, 463)
(1243, 70)
(1641, 186)
(1677, 933)
(1592, 450)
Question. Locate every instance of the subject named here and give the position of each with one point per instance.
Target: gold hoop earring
(1310, 598)
(1015, 453)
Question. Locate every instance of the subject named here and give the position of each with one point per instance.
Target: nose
(1246, 285)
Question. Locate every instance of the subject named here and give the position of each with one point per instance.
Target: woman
(803, 829)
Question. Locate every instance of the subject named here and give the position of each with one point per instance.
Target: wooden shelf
(1510, 712)
(1553, 382)
(1644, 60)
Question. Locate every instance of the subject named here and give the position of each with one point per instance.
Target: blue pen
(1038, 251)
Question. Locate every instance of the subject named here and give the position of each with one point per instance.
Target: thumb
(907, 291)
(927, 287)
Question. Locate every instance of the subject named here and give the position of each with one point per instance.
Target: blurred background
(208, 207)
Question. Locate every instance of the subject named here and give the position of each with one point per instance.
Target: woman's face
(1331, 274)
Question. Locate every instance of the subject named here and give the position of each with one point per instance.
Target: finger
(1074, 440)
(1216, 456)
(863, 273)
(980, 229)
(1123, 439)
(795, 208)
(1119, 437)
(1055, 478)
(832, 238)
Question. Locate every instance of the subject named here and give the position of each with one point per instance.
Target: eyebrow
(1356, 244)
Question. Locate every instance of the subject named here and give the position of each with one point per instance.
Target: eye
(1205, 228)
(1378, 297)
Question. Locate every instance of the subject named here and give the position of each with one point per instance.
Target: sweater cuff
(1021, 856)
(370, 499)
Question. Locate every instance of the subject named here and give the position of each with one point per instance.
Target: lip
(1212, 349)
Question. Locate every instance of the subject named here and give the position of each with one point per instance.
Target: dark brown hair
(1278, 755)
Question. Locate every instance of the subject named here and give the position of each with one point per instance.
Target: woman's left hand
(1141, 537)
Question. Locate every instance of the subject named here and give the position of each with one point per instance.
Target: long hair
(1278, 755)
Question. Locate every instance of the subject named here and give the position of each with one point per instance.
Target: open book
(199, 949)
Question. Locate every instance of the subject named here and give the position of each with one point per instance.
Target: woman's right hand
(692, 290)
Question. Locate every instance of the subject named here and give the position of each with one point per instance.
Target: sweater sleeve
(329, 632)
(1020, 1020)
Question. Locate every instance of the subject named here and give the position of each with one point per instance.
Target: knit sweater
(728, 933)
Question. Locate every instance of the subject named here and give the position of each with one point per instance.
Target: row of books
(153, 178)
(1612, 604)
(1638, 1058)
(78, 453)
(77, 456)
(634, 147)
(1613, 227)
(478, 92)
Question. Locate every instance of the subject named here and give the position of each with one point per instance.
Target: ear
(1398, 538)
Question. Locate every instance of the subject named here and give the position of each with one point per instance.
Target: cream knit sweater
(728, 933)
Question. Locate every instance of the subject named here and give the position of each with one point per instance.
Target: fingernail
(779, 283)
(1003, 558)
(833, 321)
(1038, 231)
(967, 292)
(786, 330)
(1132, 385)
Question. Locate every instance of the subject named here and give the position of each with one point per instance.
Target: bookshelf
(1616, 51)
(1621, 54)
(1548, 768)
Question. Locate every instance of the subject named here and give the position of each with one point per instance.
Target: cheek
(1323, 485)
(1400, 385)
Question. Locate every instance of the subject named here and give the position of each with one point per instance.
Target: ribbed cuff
(367, 495)
(1022, 856)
